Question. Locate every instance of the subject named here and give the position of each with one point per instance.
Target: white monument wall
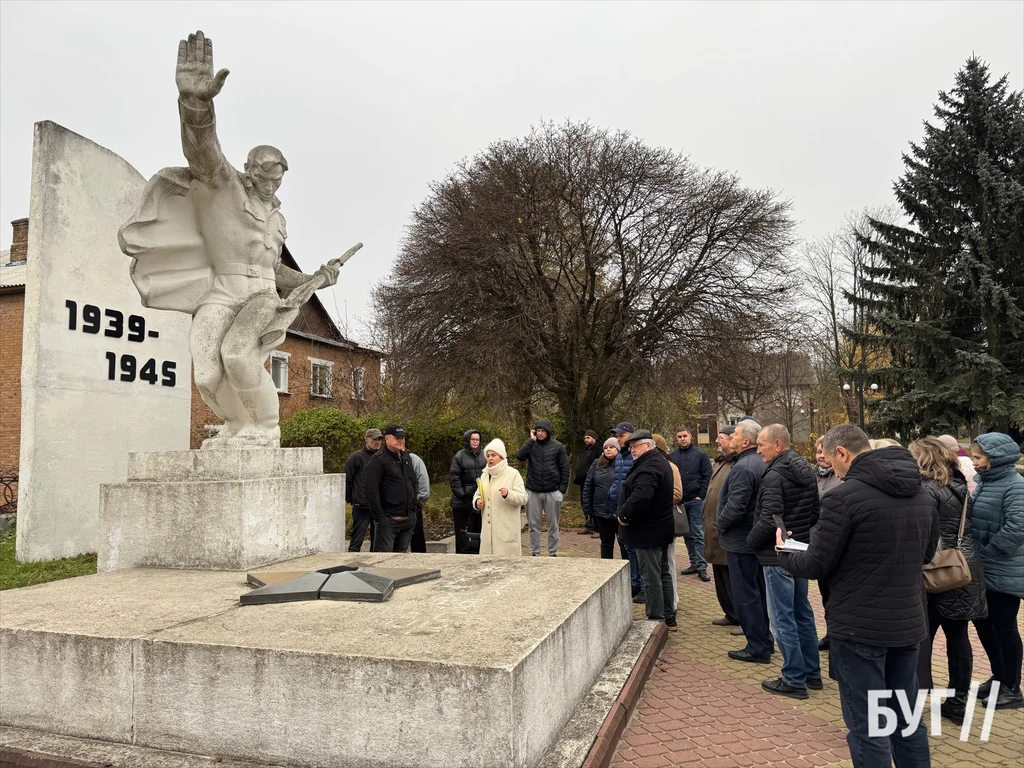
(101, 375)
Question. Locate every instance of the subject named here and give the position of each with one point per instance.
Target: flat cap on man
(643, 434)
(728, 429)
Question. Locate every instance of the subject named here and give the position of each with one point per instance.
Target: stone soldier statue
(207, 240)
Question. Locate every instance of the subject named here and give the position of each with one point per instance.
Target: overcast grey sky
(370, 102)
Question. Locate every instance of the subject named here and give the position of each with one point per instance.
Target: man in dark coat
(591, 453)
(695, 471)
(875, 533)
(547, 480)
(645, 520)
(735, 520)
(788, 492)
(355, 489)
(466, 467)
(391, 493)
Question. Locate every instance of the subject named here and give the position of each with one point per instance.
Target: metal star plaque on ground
(343, 582)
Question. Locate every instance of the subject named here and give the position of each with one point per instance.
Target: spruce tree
(945, 294)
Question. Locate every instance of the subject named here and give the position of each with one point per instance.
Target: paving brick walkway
(702, 709)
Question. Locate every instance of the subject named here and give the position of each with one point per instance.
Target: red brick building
(314, 366)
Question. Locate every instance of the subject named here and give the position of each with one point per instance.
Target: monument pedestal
(224, 510)
(481, 668)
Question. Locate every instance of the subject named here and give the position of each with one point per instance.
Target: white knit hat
(498, 447)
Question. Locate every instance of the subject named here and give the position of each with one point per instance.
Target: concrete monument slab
(505, 647)
(101, 374)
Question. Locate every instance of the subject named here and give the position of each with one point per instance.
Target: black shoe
(782, 688)
(671, 623)
(725, 621)
(985, 689)
(823, 644)
(640, 598)
(955, 709)
(689, 571)
(1009, 698)
(746, 655)
(815, 683)
(703, 573)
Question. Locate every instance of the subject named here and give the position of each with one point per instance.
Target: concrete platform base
(221, 510)
(586, 741)
(480, 668)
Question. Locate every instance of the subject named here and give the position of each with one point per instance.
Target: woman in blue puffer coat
(998, 525)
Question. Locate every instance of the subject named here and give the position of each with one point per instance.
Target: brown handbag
(948, 568)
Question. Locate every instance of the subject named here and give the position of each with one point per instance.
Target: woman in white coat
(503, 495)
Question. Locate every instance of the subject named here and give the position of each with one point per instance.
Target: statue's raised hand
(194, 75)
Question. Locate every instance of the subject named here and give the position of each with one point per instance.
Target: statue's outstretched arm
(197, 86)
(288, 278)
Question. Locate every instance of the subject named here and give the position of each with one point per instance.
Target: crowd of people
(868, 519)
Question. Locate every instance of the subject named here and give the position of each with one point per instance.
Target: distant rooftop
(11, 274)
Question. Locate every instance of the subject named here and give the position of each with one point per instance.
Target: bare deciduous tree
(578, 258)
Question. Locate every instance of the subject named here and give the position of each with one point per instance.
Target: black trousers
(362, 521)
(608, 527)
(825, 593)
(959, 656)
(419, 537)
(750, 598)
(723, 589)
(466, 521)
(392, 535)
(1001, 638)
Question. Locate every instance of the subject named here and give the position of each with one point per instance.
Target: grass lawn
(14, 574)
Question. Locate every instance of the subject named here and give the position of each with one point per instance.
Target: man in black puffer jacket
(547, 480)
(462, 476)
(875, 533)
(789, 490)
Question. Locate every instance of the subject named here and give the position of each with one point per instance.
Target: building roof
(314, 322)
(11, 275)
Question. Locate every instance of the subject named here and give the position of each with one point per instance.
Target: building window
(320, 378)
(358, 383)
(279, 370)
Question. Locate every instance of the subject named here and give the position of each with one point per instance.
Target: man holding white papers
(788, 493)
(875, 533)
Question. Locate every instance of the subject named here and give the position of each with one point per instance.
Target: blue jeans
(695, 538)
(860, 668)
(635, 577)
(792, 622)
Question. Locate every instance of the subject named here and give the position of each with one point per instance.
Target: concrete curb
(603, 749)
(16, 758)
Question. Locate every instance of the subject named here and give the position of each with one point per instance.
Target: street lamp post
(858, 388)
